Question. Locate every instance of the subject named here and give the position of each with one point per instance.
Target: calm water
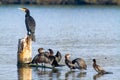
(83, 31)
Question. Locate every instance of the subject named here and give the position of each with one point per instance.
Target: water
(83, 31)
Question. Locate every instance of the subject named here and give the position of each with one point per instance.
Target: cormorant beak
(22, 9)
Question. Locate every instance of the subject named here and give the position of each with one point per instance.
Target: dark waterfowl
(57, 57)
(54, 59)
(30, 23)
(42, 57)
(77, 63)
(51, 56)
(46, 57)
(99, 69)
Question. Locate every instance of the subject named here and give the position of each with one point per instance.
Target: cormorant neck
(51, 52)
(94, 62)
(27, 13)
(67, 58)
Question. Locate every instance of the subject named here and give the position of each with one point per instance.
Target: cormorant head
(94, 60)
(25, 10)
(67, 56)
(40, 50)
(51, 51)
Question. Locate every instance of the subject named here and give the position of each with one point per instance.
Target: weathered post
(24, 54)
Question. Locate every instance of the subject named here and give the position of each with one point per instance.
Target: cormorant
(42, 57)
(99, 69)
(57, 57)
(45, 57)
(30, 23)
(54, 59)
(77, 63)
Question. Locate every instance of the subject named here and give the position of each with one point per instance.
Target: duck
(99, 69)
(77, 63)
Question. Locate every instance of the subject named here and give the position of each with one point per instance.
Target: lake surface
(83, 31)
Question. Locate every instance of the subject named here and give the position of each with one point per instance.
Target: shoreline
(60, 2)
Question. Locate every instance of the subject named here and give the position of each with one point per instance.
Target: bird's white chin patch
(42, 50)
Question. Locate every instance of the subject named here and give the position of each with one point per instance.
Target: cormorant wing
(30, 24)
(46, 54)
(80, 63)
(70, 64)
(99, 69)
(58, 56)
(35, 58)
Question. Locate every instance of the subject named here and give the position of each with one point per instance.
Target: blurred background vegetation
(62, 2)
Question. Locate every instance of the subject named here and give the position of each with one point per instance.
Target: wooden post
(24, 51)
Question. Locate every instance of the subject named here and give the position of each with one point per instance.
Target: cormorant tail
(108, 73)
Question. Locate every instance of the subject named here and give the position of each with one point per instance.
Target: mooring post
(24, 54)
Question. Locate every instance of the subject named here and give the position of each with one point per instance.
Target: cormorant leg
(44, 66)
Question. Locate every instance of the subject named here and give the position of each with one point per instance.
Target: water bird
(55, 59)
(30, 23)
(99, 69)
(46, 57)
(77, 63)
(41, 57)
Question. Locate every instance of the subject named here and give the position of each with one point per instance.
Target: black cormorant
(58, 56)
(77, 63)
(55, 59)
(30, 23)
(99, 69)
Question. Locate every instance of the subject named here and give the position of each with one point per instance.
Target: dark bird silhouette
(54, 59)
(57, 57)
(30, 23)
(99, 69)
(77, 63)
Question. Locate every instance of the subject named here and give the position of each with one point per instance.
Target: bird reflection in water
(96, 76)
(72, 74)
(68, 74)
(52, 74)
(81, 74)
